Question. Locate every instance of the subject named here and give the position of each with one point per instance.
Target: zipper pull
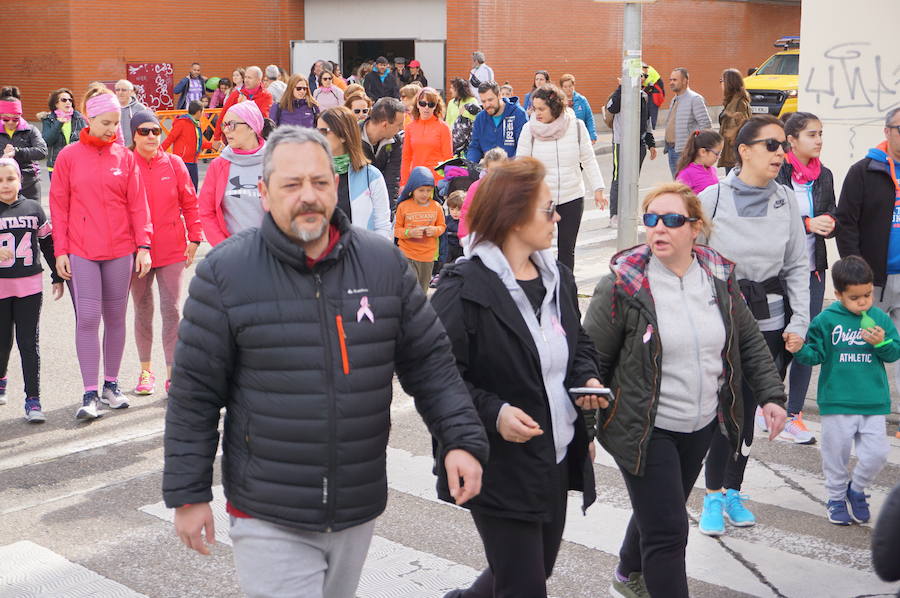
(325, 490)
(318, 280)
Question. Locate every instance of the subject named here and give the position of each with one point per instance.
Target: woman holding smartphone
(512, 315)
(675, 340)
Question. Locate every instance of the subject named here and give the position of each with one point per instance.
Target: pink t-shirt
(467, 203)
(698, 177)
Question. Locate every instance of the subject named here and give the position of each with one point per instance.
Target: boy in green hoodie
(852, 340)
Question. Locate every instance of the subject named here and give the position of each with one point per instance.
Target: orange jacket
(184, 139)
(425, 143)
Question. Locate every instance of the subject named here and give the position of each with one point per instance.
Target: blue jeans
(192, 170)
(673, 158)
(798, 380)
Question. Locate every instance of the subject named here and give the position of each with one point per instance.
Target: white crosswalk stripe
(797, 564)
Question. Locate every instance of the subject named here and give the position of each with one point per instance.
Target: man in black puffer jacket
(296, 328)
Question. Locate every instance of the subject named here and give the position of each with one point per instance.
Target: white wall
(375, 19)
(849, 74)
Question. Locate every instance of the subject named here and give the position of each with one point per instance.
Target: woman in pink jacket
(229, 197)
(101, 228)
(175, 216)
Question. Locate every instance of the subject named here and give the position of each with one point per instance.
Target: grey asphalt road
(79, 503)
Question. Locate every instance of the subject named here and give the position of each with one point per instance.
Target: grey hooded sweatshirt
(127, 112)
(760, 230)
(241, 205)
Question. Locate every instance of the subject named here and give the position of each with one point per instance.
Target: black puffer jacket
(305, 375)
(886, 539)
(51, 130)
(388, 160)
(30, 148)
(823, 203)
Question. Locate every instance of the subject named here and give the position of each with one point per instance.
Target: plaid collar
(630, 266)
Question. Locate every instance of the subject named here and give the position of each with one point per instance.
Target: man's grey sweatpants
(274, 561)
(887, 299)
(839, 434)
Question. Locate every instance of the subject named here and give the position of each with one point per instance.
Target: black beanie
(139, 118)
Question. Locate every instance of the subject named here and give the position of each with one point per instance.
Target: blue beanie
(419, 177)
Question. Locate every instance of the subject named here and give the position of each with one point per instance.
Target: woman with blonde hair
(297, 106)
(427, 141)
(362, 192)
(675, 340)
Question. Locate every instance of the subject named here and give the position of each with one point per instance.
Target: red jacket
(97, 201)
(184, 139)
(173, 207)
(262, 98)
(425, 143)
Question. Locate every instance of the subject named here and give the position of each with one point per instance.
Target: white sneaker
(89, 406)
(796, 431)
(613, 222)
(761, 420)
(112, 396)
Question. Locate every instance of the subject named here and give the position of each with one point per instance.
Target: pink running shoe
(146, 383)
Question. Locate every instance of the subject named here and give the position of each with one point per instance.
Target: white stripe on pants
(839, 433)
(274, 561)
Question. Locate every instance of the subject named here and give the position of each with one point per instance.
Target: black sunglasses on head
(669, 220)
(423, 103)
(772, 145)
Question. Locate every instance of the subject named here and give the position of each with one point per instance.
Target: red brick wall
(584, 38)
(72, 42)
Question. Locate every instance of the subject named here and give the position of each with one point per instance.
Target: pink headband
(100, 103)
(12, 163)
(249, 112)
(11, 106)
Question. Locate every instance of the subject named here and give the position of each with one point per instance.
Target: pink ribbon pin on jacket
(365, 310)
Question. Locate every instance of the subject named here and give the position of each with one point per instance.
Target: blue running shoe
(89, 406)
(712, 522)
(837, 512)
(33, 412)
(737, 514)
(859, 506)
(113, 397)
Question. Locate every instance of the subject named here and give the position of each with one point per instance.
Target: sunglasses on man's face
(145, 131)
(360, 111)
(669, 220)
(423, 104)
(772, 145)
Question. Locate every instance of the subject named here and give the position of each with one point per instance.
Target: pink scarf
(64, 115)
(804, 174)
(549, 131)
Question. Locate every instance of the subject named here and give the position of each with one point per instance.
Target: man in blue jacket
(191, 88)
(498, 125)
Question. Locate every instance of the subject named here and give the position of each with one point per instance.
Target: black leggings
(520, 554)
(20, 315)
(723, 471)
(614, 187)
(656, 539)
(568, 225)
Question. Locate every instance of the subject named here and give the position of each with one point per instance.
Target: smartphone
(587, 390)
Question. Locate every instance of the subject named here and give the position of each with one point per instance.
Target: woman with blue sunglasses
(757, 225)
(675, 339)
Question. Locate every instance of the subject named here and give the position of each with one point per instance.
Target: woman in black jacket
(21, 142)
(813, 186)
(61, 125)
(511, 312)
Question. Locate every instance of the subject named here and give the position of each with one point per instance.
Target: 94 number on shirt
(23, 250)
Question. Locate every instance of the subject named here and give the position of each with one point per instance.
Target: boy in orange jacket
(419, 223)
(187, 139)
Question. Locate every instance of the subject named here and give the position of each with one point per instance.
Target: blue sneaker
(859, 506)
(89, 406)
(113, 397)
(837, 512)
(33, 412)
(737, 514)
(712, 522)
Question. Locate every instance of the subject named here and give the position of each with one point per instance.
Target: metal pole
(629, 150)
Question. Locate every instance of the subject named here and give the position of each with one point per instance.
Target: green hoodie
(852, 380)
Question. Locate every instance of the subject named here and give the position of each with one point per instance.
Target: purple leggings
(100, 289)
(169, 280)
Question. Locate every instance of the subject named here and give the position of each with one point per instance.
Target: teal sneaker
(712, 521)
(737, 514)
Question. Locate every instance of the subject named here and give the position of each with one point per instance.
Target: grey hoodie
(127, 112)
(760, 230)
(241, 205)
(548, 335)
